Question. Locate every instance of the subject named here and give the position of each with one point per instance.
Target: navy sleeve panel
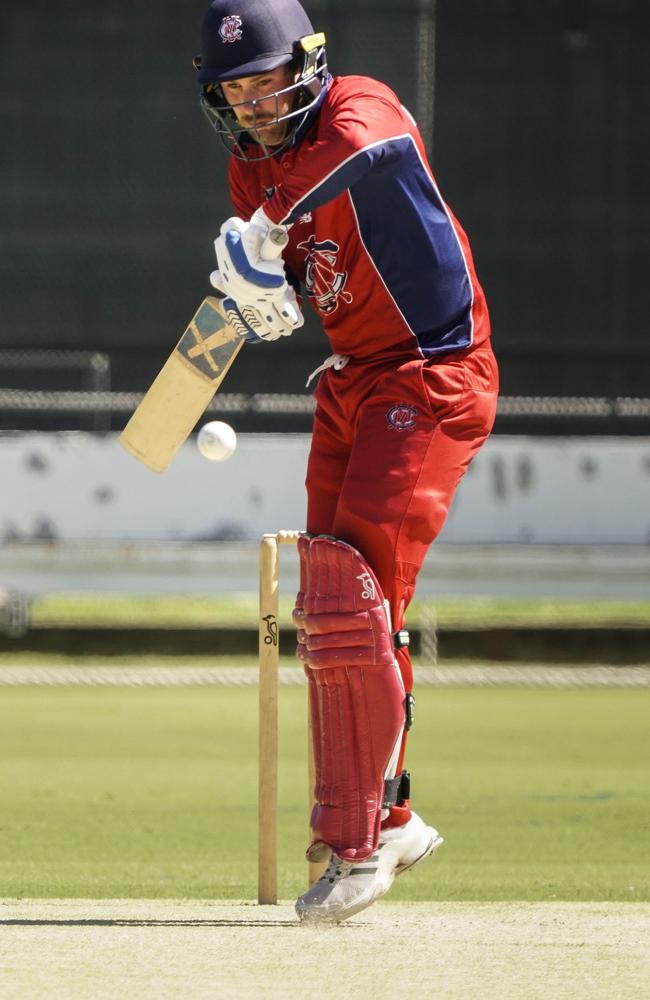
(378, 156)
(412, 242)
(354, 132)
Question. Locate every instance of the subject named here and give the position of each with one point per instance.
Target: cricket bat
(184, 387)
(190, 377)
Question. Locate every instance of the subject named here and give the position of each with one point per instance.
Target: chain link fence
(103, 410)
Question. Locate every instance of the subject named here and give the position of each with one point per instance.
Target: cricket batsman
(407, 397)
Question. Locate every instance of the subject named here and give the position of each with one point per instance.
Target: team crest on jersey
(230, 29)
(324, 284)
(402, 417)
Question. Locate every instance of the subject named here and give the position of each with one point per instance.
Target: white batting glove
(249, 262)
(267, 323)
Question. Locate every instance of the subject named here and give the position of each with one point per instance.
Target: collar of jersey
(312, 113)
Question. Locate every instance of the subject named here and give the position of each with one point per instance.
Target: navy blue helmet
(243, 38)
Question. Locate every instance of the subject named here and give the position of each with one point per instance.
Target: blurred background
(536, 118)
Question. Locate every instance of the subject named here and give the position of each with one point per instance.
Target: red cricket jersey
(383, 260)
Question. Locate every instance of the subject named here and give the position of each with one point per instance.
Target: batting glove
(268, 323)
(249, 261)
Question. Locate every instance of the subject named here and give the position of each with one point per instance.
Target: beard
(269, 135)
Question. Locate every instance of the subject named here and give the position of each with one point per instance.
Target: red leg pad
(356, 693)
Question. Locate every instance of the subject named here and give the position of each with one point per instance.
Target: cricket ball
(216, 441)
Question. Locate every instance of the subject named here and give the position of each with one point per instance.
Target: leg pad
(355, 690)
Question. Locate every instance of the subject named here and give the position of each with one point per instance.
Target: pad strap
(401, 639)
(397, 790)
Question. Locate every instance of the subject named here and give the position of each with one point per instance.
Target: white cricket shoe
(347, 887)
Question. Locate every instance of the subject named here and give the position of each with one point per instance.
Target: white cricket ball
(216, 441)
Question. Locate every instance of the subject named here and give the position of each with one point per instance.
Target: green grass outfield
(542, 794)
(183, 611)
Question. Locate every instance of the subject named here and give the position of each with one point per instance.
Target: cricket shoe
(346, 887)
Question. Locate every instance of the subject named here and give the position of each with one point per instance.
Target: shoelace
(335, 361)
(336, 870)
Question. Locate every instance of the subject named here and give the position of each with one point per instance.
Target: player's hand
(284, 315)
(249, 262)
(267, 323)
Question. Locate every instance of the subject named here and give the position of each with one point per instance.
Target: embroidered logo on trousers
(402, 417)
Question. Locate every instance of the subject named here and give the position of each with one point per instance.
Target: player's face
(250, 100)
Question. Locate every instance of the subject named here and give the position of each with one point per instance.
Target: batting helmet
(245, 38)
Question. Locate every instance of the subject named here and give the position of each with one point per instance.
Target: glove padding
(268, 323)
(251, 270)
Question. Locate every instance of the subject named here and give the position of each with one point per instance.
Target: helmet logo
(230, 28)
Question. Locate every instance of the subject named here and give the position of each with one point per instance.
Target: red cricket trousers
(390, 445)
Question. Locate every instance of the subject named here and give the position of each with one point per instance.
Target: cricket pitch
(169, 949)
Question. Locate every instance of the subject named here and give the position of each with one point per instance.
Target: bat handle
(274, 243)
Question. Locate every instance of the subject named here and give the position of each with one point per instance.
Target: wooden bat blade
(183, 388)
